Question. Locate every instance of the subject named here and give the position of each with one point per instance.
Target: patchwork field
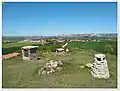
(24, 74)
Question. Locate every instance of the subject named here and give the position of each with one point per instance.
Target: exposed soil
(10, 55)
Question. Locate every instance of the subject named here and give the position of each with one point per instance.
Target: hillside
(17, 73)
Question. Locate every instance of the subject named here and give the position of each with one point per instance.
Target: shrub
(108, 49)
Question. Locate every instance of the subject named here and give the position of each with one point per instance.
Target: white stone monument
(99, 68)
(29, 52)
(65, 47)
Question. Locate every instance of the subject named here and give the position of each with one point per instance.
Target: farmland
(97, 46)
(21, 74)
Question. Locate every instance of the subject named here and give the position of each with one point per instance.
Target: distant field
(13, 47)
(15, 44)
(97, 46)
(19, 74)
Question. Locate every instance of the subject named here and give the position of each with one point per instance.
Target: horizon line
(54, 35)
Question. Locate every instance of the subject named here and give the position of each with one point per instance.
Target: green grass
(14, 47)
(19, 74)
(97, 46)
(9, 45)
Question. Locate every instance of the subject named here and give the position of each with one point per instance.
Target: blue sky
(46, 19)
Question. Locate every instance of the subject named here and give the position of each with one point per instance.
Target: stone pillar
(22, 53)
(100, 68)
(29, 54)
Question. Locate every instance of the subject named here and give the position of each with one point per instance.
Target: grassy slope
(17, 73)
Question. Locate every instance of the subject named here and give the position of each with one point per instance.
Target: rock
(48, 72)
(82, 66)
(55, 64)
(51, 61)
(60, 63)
(51, 67)
(52, 71)
(89, 65)
(43, 72)
(59, 68)
(67, 50)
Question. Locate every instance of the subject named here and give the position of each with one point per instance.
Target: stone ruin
(99, 67)
(64, 48)
(51, 67)
(30, 53)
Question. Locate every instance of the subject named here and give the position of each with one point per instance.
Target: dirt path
(7, 56)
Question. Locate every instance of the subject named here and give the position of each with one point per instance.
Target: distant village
(62, 37)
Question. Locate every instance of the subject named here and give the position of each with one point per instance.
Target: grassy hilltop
(17, 73)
